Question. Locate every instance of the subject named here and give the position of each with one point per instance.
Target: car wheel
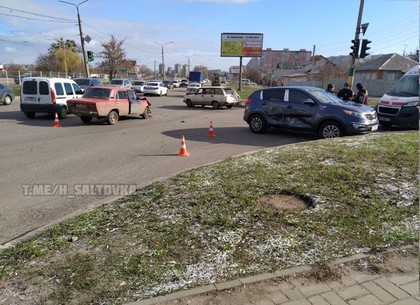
(29, 115)
(62, 112)
(215, 105)
(189, 103)
(330, 129)
(113, 117)
(7, 100)
(86, 119)
(257, 124)
(146, 113)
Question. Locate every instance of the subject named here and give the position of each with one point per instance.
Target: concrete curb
(250, 280)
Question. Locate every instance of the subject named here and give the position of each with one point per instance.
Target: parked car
(138, 86)
(212, 96)
(6, 95)
(168, 84)
(175, 83)
(155, 88)
(110, 103)
(184, 83)
(88, 82)
(308, 109)
(192, 87)
(47, 95)
(123, 82)
(247, 82)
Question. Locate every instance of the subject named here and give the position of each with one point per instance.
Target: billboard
(241, 45)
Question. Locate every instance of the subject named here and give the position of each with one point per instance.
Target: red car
(110, 103)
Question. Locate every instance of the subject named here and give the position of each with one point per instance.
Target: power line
(36, 14)
(36, 19)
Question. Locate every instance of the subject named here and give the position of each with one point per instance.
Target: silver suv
(212, 96)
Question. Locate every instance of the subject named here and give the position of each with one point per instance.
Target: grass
(210, 224)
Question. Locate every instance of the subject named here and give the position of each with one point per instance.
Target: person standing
(331, 88)
(361, 95)
(346, 94)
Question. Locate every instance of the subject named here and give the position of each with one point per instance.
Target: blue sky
(195, 27)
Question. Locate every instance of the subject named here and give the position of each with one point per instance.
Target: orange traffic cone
(211, 131)
(183, 151)
(56, 121)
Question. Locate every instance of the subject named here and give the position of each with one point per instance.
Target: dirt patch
(284, 202)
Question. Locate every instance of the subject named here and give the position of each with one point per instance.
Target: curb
(246, 281)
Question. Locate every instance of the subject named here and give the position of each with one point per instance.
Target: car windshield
(138, 83)
(116, 82)
(82, 82)
(326, 97)
(99, 93)
(153, 84)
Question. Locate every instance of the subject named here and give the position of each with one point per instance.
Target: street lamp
(163, 57)
(82, 41)
(189, 66)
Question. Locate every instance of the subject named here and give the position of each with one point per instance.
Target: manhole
(284, 202)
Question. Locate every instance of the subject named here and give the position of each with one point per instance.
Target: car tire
(189, 103)
(146, 113)
(62, 112)
(228, 106)
(112, 117)
(330, 129)
(257, 124)
(86, 119)
(215, 105)
(7, 99)
(29, 115)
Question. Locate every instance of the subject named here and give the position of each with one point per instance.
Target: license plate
(385, 119)
(374, 127)
(29, 99)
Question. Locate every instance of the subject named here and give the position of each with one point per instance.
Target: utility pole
(82, 40)
(163, 57)
(350, 78)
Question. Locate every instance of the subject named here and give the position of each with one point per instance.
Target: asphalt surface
(49, 174)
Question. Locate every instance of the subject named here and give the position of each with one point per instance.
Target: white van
(400, 105)
(47, 95)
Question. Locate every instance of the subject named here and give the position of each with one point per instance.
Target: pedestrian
(330, 89)
(361, 95)
(346, 94)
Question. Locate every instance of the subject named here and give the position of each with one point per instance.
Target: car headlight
(413, 103)
(354, 113)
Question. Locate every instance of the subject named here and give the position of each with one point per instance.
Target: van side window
(44, 89)
(69, 88)
(59, 89)
(30, 87)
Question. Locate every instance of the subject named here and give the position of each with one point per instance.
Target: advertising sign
(241, 45)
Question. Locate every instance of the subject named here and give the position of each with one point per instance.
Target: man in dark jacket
(345, 93)
(361, 95)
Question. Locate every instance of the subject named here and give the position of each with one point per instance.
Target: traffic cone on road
(211, 131)
(183, 151)
(56, 121)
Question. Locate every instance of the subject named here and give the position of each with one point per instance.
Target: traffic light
(355, 48)
(365, 47)
(90, 55)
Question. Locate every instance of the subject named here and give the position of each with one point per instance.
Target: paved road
(36, 156)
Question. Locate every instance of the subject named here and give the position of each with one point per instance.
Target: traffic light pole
(350, 78)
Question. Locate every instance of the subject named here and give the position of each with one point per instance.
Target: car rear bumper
(88, 113)
(45, 108)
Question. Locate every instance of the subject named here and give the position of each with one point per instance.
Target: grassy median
(298, 204)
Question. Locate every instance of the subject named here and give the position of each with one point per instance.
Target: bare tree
(113, 55)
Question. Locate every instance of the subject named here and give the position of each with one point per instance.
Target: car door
(300, 110)
(273, 104)
(135, 107)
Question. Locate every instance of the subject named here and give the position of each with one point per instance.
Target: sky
(191, 29)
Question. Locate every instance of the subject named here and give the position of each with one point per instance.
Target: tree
(113, 55)
(253, 74)
(65, 45)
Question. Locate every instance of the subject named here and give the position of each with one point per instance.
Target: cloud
(9, 50)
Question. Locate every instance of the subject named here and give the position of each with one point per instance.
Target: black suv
(307, 109)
